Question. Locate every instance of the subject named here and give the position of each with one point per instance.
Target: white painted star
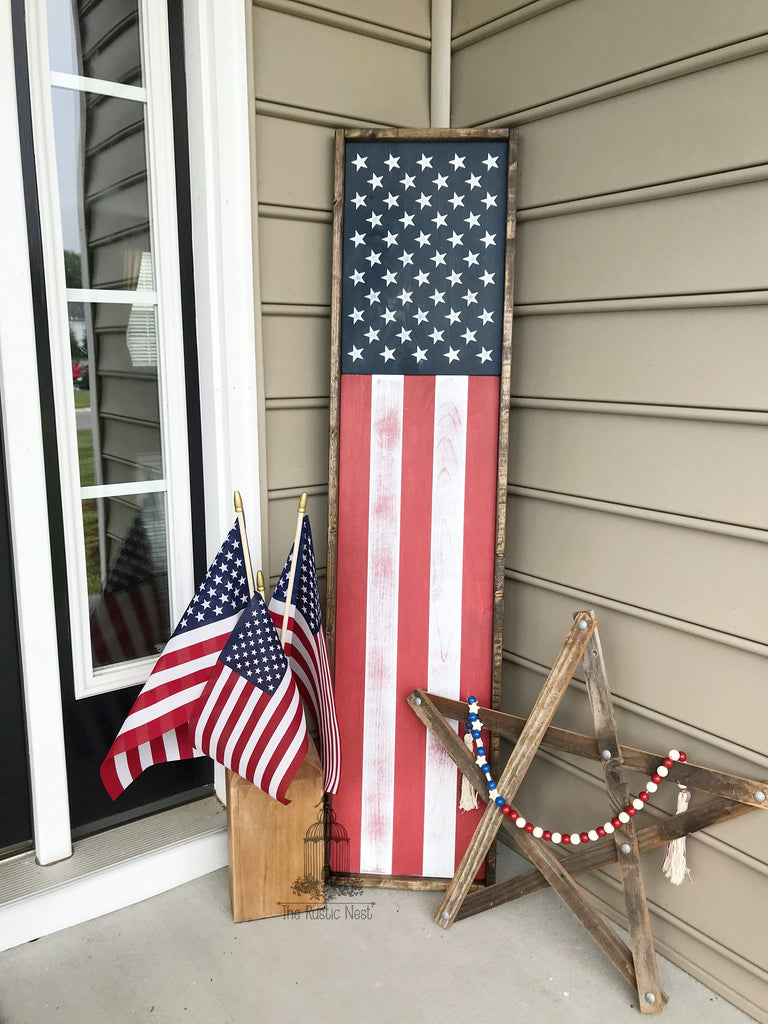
(392, 162)
(470, 297)
(474, 181)
(470, 259)
(357, 238)
(424, 162)
(486, 317)
(487, 277)
(406, 220)
(441, 181)
(422, 278)
(357, 277)
(390, 277)
(372, 297)
(423, 239)
(484, 355)
(390, 239)
(436, 336)
(455, 239)
(451, 355)
(360, 162)
(490, 161)
(391, 200)
(372, 335)
(437, 296)
(375, 182)
(420, 316)
(439, 220)
(359, 201)
(388, 353)
(374, 220)
(473, 220)
(454, 277)
(406, 258)
(403, 335)
(456, 200)
(420, 355)
(388, 316)
(489, 239)
(407, 181)
(424, 200)
(404, 296)
(375, 257)
(356, 353)
(469, 336)
(453, 316)
(457, 162)
(438, 259)
(489, 200)
(355, 315)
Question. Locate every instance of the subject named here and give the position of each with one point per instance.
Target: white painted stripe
(445, 592)
(292, 719)
(171, 745)
(380, 713)
(210, 704)
(277, 734)
(163, 707)
(122, 771)
(224, 715)
(241, 724)
(264, 718)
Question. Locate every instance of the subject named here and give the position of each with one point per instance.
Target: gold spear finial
(238, 502)
(260, 584)
(303, 503)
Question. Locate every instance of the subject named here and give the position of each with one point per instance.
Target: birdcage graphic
(325, 837)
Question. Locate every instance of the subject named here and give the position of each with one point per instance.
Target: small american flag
(156, 729)
(250, 717)
(306, 650)
(424, 232)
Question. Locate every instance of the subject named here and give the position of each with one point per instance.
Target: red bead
(600, 831)
(514, 815)
(630, 810)
(667, 762)
(506, 809)
(683, 756)
(616, 822)
(566, 839)
(584, 837)
(528, 827)
(656, 778)
(546, 834)
(642, 795)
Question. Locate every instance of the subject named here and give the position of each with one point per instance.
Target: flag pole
(292, 572)
(244, 539)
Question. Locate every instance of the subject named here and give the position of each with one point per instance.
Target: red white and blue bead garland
(474, 725)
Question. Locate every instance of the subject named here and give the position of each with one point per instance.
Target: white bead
(521, 822)
(623, 817)
(575, 838)
(638, 804)
(609, 829)
(674, 755)
(556, 838)
(538, 832)
(651, 787)
(593, 835)
(481, 759)
(662, 771)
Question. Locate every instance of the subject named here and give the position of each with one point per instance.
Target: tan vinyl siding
(639, 423)
(316, 67)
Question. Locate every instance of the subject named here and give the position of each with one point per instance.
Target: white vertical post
(30, 541)
(440, 65)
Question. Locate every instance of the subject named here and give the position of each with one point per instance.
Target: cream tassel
(468, 801)
(675, 867)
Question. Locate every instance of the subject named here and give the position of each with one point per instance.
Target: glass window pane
(115, 390)
(98, 40)
(127, 564)
(102, 172)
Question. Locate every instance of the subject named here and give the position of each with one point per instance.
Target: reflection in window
(97, 40)
(126, 554)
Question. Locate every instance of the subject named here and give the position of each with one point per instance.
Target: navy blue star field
(254, 651)
(223, 592)
(424, 235)
(306, 594)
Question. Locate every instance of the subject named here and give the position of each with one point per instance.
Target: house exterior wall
(639, 418)
(316, 68)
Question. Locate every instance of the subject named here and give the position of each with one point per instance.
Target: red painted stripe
(479, 557)
(351, 600)
(413, 621)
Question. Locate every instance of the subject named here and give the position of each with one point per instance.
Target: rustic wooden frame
(731, 797)
(510, 135)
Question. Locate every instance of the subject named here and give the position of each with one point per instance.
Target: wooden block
(276, 852)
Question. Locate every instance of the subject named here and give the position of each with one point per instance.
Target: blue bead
(486, 768)
(491, 784)
(471, 700)
(472, 717)
(468, 726)
(499, 801)
(476, 734)
(481, 751)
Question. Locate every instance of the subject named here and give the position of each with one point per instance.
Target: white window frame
(156, 95)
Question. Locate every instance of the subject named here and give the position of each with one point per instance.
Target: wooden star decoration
(730, 796)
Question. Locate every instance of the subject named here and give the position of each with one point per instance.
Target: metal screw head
(606, 755)
(582, 623)
(417, 701)
(759, 796)
(626, 848)
(650, 997)
(445, 916)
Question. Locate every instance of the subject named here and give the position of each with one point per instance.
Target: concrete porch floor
(376, 958)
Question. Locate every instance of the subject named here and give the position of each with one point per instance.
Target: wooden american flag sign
(421, 327)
